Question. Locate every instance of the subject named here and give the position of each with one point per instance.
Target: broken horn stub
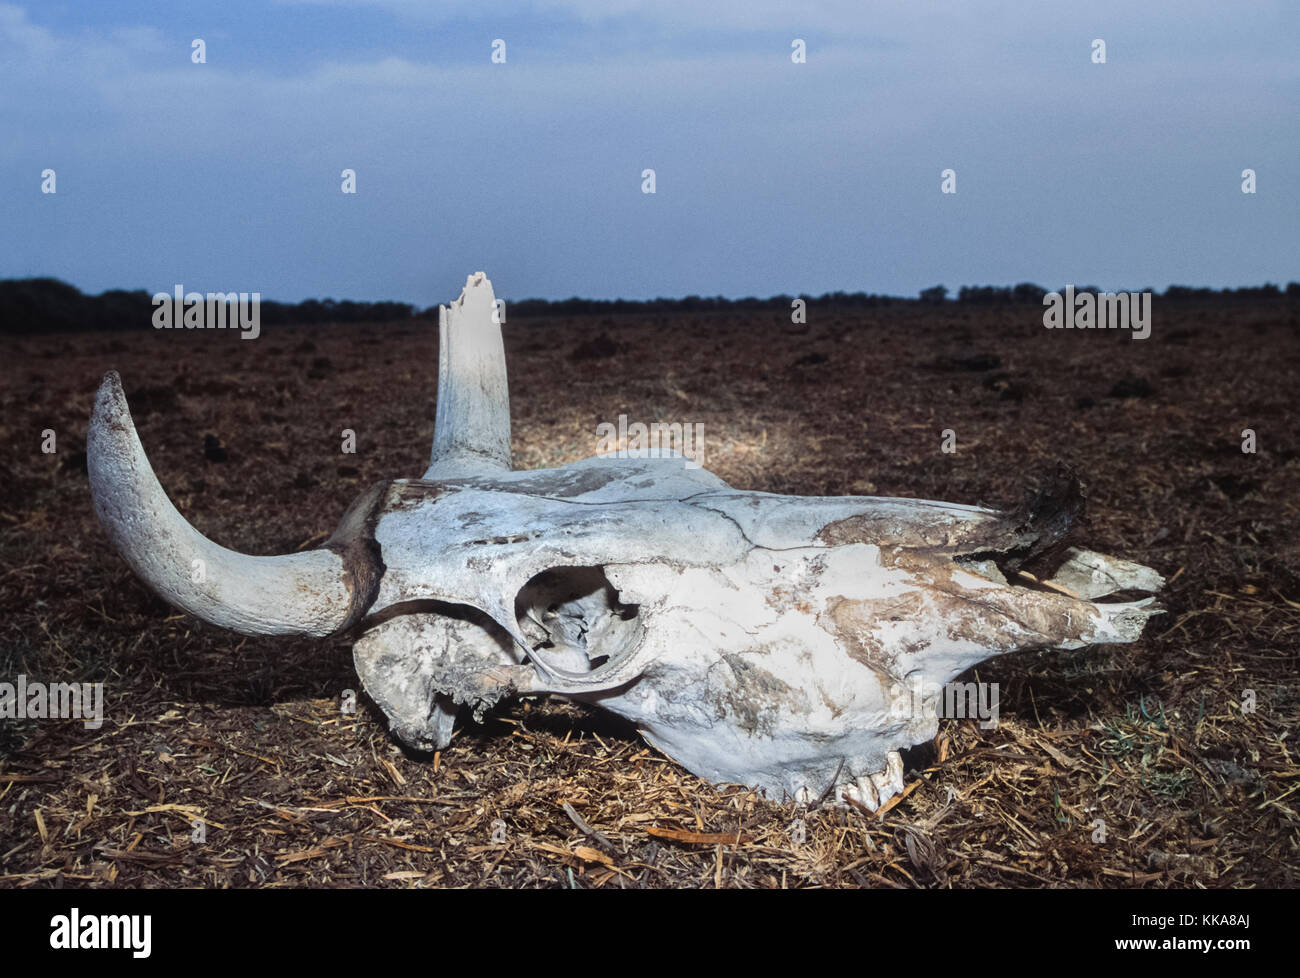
(471, 434)
(309, 593)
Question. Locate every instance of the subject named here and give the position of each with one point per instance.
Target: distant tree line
(1027, 292)
(45, 305)
(976, 295)
(528, 308)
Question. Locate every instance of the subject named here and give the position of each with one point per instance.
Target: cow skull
(773, 641)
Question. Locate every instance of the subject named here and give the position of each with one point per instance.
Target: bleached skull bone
(764, 640)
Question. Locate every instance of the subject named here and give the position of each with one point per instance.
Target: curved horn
(303, 593)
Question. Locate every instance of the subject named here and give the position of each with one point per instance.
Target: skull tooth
(862, 791)
(894, 766)
(889, 782)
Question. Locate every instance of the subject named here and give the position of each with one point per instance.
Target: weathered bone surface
(781, 642)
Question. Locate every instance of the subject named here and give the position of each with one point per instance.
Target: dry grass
(246, 734)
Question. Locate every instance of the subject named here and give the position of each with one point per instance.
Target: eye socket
(574, 616)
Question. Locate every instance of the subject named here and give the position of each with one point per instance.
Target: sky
(771, 176)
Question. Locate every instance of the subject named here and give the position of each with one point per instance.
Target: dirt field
(247, 734)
